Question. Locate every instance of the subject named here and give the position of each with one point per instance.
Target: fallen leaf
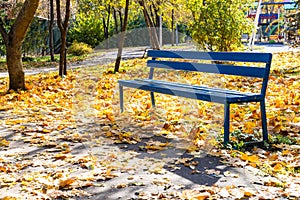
(195, 195)
(278, 167)
(67, 182)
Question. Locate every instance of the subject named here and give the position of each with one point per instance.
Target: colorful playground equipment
(270, 22)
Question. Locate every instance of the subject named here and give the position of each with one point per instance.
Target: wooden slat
(210, 68)
(215, 56)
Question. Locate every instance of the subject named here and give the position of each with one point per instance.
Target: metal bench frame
(218, 65)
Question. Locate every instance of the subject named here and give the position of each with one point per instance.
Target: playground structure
(270, 21)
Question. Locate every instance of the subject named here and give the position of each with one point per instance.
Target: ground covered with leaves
(65, 138)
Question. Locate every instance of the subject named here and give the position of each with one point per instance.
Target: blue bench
(227, 63)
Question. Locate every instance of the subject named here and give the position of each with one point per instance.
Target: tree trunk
(122, 38)
(62, 55)
(116, 22)
(63, 27)
(121, 19)
(51, 42)
(15, 68)
(13, 42)
(150, 25)
(106, 22)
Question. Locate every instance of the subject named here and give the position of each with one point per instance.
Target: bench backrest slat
(214, 56)
(209, 68)
(219, 63)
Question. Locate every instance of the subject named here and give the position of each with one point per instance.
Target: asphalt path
(100, 57)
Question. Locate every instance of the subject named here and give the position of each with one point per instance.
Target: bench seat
(216, 95)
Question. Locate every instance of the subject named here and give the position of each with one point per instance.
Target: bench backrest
(219, 64)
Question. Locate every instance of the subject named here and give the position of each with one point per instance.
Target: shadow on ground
(145, 174)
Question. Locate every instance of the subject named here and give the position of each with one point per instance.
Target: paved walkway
(139, 174)
(99, 57)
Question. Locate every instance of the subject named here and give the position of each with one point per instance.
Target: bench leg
(226, 123)
(264, 120)
(152, 99)
(121, 98)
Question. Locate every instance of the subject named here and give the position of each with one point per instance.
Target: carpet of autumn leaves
(44, 126)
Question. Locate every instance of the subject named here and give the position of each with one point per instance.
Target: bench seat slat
(216, 56)
(196, 87)
(204, 94)
(256, 72)
(228, 93)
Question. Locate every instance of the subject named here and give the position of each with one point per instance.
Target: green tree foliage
(217, 25)
(294, 24)
(93, 21)
(87, 29)
(97, 20)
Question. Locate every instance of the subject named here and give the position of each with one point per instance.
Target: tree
(217, 25)
(93, 22)
(122, 37)
(13, 38)
(63, 27)
(51, 23)
(150, 24)
(168, 10)
(294, 24)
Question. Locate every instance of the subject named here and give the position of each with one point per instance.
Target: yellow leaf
(286, 152)
(110, 116)
(158, 170)
(249, 192)
(153, 148)
(249, 126)
(244, 157)
(9, 198)
(252, 164)
(60, 156)
(278, 167)
(67, 182)
(195, 195)
(4, 143)
(253, 158)
(2, 168)
(61, 127)
(273, 157)
(192, 148)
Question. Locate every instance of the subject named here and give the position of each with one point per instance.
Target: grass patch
(32, 62)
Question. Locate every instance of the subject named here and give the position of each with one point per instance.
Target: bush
(87, 28)
(79, 49)
(218, 25)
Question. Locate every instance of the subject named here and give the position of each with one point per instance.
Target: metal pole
(160, 31)
(177, 40)
(252, 37)
(278, 24)
(285, 27)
